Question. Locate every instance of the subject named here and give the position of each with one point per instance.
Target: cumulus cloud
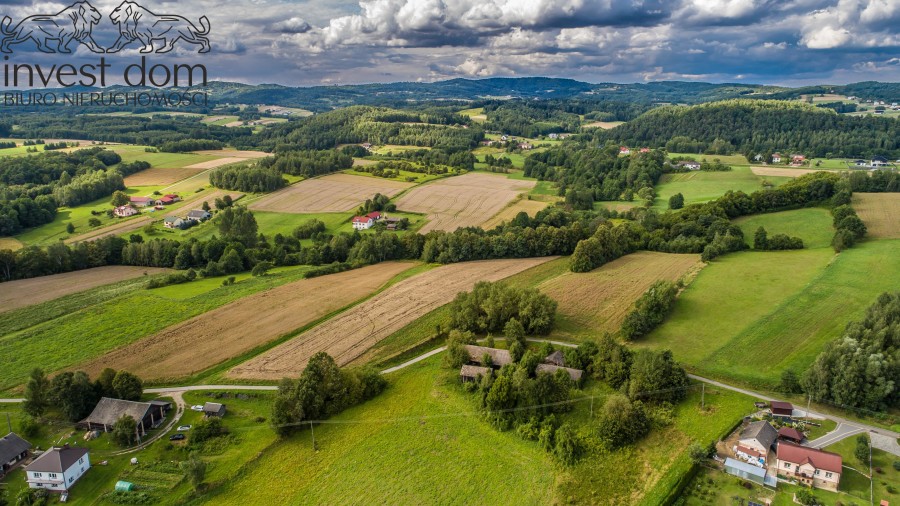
(292, 25)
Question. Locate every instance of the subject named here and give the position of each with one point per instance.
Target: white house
(125, 211)
(58, 469)
(363, 223)
(173, 222)
(199, 215)
(776, 158)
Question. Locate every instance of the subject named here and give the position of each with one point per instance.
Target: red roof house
(375, 216)
(809, 466)
(782, 408)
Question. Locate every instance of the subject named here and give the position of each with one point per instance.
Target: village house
(58, 469)
(13, 450)
(755, 441)
(645, 150)
(362, 223)
(199, 215)
(173, 222)
(141, 201)
(797, 159)
(211, 409)
(392, 223)
(165, 201)
(810, 467)
(148, 415)
(376, 216)
(776, 158)
(554, 136)
(556, 358)
(525, 146)
(624, 150)
(790, 434)
(367, 146)
(878, 161)
(125, 211)
(689, 165)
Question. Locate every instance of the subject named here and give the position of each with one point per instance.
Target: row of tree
(74, 395)
(253, 178)
(489, 307)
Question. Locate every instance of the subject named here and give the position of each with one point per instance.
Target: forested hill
(754, 126)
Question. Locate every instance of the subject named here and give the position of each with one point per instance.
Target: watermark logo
(137, 23)
(54, 33)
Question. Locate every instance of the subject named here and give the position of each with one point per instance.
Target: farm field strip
(783, 171)
(216, 336)
(351, 333)
(26, 292)
(215, 164)
(463, 201)
(880, 212)
(530, 207)
(160, 176)
(234, 153)
(332, 193)
(599, 300)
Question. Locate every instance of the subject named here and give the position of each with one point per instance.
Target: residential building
(125, 211)
(756, 440)
(689, 165)
(107, 412)
(575, 374)
(58, 469)
(362, 223)
(810, 467)
(141, 201)
(214, 409)
(173, 222)
(199, 215)
(556, 358)
(624, 150)
(878, 161)
(165, 201)
(375, 216)
(13, 450)
(173, 197)
(776, 158)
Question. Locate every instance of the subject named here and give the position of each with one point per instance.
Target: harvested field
(360, 162)
(349, 334)
(781, 171)
(531, 207)
(330, 194)
(463, 201)
(10, 243)
(600, 299)
(879, 211)
(215, 164)
(27, 292)
(605, 125)
(129, 225)
(233, 153)
(160, 177)
(233, 329)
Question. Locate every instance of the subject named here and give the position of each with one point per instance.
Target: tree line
(250, 178)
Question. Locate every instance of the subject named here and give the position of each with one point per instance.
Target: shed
(499, 358)
(782, 408)
(108, 411)
(790, 434)
(556, 358)
(575, 374)
(13, 449)
(759, 436)
(745, 471)
(472, 372)
(214, 409)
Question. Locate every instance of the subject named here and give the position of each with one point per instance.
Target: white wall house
(58, 469)
(362, 223)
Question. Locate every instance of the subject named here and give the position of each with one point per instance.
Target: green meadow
(702, 186)
(813, 225)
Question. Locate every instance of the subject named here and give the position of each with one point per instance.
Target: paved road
(841, 432)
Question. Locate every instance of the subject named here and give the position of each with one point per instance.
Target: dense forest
(760, 127)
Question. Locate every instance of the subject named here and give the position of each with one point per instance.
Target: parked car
(176, 437)
(197, 407)
(183, 427)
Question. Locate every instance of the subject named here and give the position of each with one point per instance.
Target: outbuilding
(211, 409)
(13, 450)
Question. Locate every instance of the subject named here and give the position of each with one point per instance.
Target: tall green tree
(127, 386)
(37, 393)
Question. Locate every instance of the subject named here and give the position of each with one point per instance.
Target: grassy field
(163, 160)
(52, 335)
(779, 307)
(726, 159)
(405, 175)
(813, 225)
(701, 186)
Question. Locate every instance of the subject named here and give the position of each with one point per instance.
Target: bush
(207, 429)
(490, 306)
(650, 310)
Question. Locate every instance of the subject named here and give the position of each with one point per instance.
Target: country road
(882, 439)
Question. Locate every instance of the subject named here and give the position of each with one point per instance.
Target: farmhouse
(125, 211)
(173, 222)
(811, 467)
(375, 216)
(797, 159)
(367, 146)
(878, 161)
(13, 450)
(776, 158)
(57, 469)
(198, 215)
(147, 414)
(362, 223)
(624, 150)
(498, 358)
(525, 145)
(645, 150)
(783, 410)
(790, 434)
(755, 441)
(689, 165)
(165, 201)
(173, 197)
(211, 409)
(745, 471)
(472, 372)
(141, 201)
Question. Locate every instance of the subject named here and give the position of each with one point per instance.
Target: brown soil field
(601, 299)
(329, 194)
(26, 292)
(880, 212)
(233, 153)
(781, 171)
(126, 226)
(463, 201)
(215, 164)
(221, 334)
(606, 125)
(159, 177)
(351, 333)
(531, 207)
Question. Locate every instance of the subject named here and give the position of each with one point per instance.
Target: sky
(315, 42)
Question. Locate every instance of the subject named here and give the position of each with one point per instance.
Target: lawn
(702, 186)
(52, 335)
(164, 160)
(813, 225)
(405, 175)
(781, 308)
(726, 159)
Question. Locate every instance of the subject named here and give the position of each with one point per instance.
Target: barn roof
(473, 371)
(760, 431)
(11, 446)
(781, 407)
(499, 358)
(108, 411)
(575, 374)
(556, 358)
(790, 433)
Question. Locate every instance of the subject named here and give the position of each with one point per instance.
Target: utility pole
(8, 422)
(703, 396)
(313, 432)
(808, 400)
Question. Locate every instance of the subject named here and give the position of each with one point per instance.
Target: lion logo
(54, 33)
(138, 23)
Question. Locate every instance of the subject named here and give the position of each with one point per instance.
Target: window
(827, 475)
(81, 460)
(817, 472)
(71, 479)
(37, 475)
(52, 475)
(787, 465)
(39, 484)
